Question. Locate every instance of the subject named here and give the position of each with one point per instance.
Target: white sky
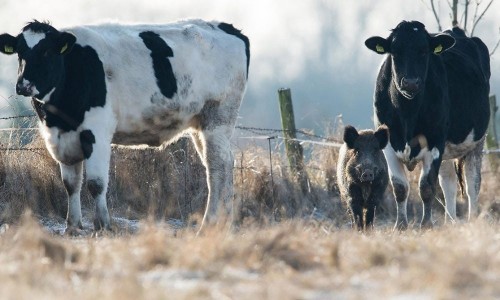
(316, 47)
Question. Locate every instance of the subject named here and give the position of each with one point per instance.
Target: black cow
(432, 92)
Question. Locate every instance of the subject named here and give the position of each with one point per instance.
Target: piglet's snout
(367, 176)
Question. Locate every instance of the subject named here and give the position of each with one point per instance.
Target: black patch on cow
(468, 71)
(160, 52)
(87, 139)
(95, 187)
(229, 29)
(400, 190)
(82, 88)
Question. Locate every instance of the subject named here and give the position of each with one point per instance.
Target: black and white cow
(432, 92)
(132, 84)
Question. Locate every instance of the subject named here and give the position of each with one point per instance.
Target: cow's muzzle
(410, 86)
(25, 88)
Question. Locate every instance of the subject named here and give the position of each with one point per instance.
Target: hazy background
(315, 47)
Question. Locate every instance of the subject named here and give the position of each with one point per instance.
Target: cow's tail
(459, 170)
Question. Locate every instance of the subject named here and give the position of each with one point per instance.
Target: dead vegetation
(287, 245)
(291, 260)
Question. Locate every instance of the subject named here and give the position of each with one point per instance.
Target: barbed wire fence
(259, 133)
(267, 135)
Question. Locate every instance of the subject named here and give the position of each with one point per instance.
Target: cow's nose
(411, 85)
(367, 176)
(22, 89)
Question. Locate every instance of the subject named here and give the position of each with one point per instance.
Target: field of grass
(290, 260)
(286, 245)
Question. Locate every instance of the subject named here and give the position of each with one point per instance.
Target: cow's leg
(400, 186)
(427, 184)
(448, 182)
(472, 173)
(218, 160)
(97, 168)
(72, 179)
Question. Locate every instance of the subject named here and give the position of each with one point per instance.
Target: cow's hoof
(101, 226)
(74, 231)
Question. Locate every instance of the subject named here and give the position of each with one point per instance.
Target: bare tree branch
(480, 16)
(466, 13)
(476, 8)
(436, 15)
(454, 11)
(449, 4)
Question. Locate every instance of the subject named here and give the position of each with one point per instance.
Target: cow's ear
(441, 43)
(65, 42)
(382, 136)
(350, 136)
(8, 44)
(378, 44)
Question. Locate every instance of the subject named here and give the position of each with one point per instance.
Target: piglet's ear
(350, 136)
(8, 44)
(382, 135)
(65, 42)
(378, 44)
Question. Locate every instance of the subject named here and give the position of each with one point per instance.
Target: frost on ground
(289, 260)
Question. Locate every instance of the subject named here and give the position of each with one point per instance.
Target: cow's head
(40, 49)
(410, 47)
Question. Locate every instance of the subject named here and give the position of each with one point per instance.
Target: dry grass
(287, 245)
(290, 260)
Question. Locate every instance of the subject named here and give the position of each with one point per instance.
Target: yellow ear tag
(438, 49)
(64, 48)
(8, 49)
(379, 48)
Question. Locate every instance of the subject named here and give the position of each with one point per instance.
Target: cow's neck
(407, 108)
(407, 112)
(51, 111)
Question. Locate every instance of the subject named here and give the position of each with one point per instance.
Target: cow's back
(202, 63)
(468, 71)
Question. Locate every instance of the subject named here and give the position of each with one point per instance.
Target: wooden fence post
(491, 137)
(293, 148)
